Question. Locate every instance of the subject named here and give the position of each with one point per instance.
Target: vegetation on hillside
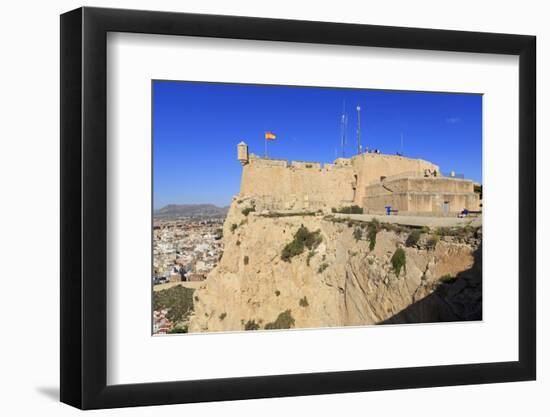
(459, 232)
(399, 261)
(251, 325)
(247, 210)
(283, 321)
(303, 239)
(277, 214)
(182, 329)
(373, 227)
(348, 210)
(178, 300)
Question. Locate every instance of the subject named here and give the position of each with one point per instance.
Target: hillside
(191, 210)
(303, 271)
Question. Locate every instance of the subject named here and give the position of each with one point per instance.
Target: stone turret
(242, 153)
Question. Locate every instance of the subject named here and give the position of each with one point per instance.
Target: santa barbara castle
(372, 181)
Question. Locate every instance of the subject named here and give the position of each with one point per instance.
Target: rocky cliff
(337, 275)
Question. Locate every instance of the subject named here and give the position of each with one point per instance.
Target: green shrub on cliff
(399, 261)
(251, 325)
(275, 214)
(303, 238)
(246, 211)
(284, 321)
(373, 228)
(348, 210)
(183, 329)
(291, 250)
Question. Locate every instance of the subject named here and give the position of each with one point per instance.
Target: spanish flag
(270, 136)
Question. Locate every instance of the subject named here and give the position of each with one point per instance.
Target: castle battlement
(260, 161)
(362, 180)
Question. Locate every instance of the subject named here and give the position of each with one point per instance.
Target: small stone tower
(242, 153)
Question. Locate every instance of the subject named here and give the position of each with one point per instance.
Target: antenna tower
(344, 128)
(359, 130)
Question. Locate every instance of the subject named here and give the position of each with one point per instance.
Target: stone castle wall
(433, 194)
(370, 168)
(298, 185)
(371, 181)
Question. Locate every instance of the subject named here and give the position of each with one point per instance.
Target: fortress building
(372, 181)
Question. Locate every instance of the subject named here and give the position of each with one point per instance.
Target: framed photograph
(259, 208)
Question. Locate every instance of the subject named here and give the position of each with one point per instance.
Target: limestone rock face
(340, 283)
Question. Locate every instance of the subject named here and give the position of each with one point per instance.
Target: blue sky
(196, 128)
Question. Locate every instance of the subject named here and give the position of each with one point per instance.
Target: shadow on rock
(457, 299)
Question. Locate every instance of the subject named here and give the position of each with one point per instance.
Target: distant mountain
(191, 210)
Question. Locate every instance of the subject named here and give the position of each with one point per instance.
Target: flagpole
(265, 141)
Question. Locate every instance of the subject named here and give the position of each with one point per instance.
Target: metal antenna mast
(359, 130)
(344, 129)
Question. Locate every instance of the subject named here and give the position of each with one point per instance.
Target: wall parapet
(296, 164)
(254, 159)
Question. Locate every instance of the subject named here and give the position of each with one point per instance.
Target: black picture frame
(84, 207)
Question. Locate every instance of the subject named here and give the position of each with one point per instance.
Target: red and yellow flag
(270, 136)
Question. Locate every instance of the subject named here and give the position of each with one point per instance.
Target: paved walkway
(431, 222)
